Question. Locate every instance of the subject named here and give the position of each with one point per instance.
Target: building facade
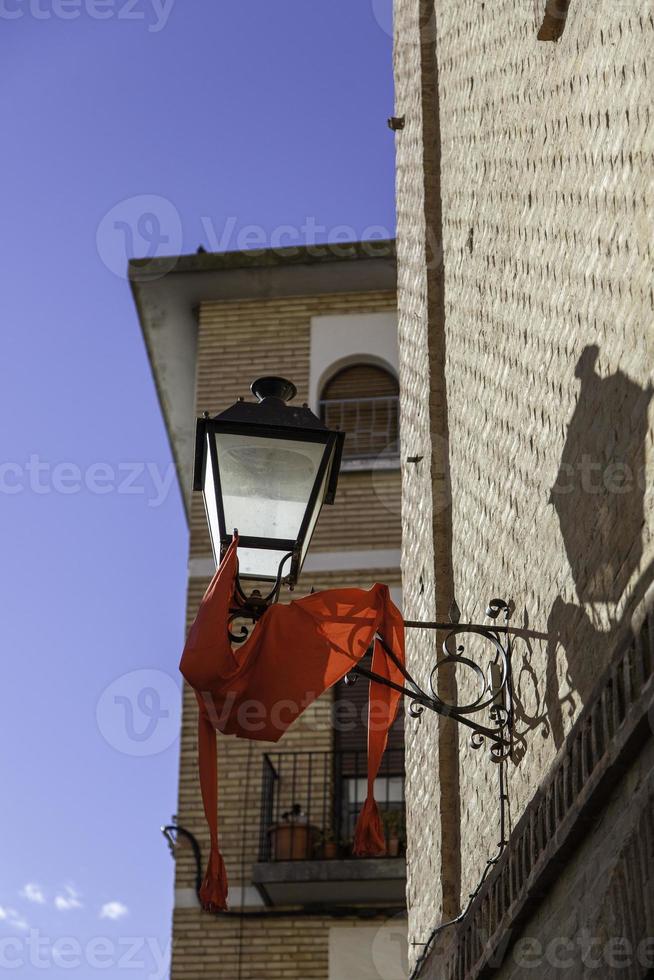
(524, 198)
(300, 906)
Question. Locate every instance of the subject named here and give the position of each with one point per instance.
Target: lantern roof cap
(272, 407)
(273, 387)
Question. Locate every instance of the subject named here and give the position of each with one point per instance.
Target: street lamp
(266, 468)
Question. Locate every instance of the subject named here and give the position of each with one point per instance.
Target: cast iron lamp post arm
(496, 692)
(495, 682)
(423, 700)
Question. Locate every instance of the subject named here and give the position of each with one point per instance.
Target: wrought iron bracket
(253, 606)
(494, 684)
(172, 832)
(494, 680)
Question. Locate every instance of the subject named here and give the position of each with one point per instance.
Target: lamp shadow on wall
(599, 497)
(554, 18)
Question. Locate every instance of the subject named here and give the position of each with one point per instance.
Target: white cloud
(64, 903)
(33, 893)
(113, 910)
(13, 918)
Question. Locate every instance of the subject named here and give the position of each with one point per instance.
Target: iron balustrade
(371, 425)
(310, 802)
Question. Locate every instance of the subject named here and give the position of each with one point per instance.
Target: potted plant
(292, 839)
(329, 845)
(392, 820)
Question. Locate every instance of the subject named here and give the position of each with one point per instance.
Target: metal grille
(311, 800)
(602, 736)
(371, 425)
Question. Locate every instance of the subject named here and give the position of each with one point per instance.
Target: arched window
(363, 401)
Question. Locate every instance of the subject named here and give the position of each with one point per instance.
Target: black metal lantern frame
(273, 419)
(270, 418)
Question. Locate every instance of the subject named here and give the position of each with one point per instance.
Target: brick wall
(545, 185)
(289, 949)
(274, 335)
(239, 341)
(596, 919)
(599, 916)
(432, 830)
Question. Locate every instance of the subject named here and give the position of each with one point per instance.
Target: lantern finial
(273, 387)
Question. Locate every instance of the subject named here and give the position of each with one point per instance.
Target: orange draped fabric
(294, 653)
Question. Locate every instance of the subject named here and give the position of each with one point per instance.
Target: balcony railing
(371, 424)
(311, 800)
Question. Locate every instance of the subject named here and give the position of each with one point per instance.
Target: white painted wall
(369, 952)
(352, 338)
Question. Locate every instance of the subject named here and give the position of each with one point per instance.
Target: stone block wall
(541, 199)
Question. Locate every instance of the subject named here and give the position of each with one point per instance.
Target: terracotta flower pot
(393, 847)
(330, 850)
(291, 841)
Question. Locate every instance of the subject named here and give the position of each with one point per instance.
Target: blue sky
(236, 114)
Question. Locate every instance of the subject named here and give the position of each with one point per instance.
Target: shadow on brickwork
(554, 18)
(599, 497)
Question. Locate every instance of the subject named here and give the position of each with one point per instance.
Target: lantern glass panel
(210, 503)
(266, 483)
(316, 513)
(261, 563)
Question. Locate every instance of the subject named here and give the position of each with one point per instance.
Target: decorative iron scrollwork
(494, 683)
(252, 607)
(416, 709)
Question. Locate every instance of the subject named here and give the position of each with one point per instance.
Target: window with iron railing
(311, 800)
(363, 401)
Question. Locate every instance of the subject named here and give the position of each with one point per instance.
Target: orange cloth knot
(293, 654)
